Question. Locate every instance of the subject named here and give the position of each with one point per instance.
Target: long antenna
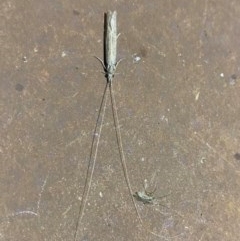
(120, 147)
(92, 159)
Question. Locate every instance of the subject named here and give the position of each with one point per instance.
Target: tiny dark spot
(233, 79)
(76, 67)
(76, 12)
(234, 76)
(43, 99)
(237, 156)
(205, 33)
(143, 52)
(19, 87)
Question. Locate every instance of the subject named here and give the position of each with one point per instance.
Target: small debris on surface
(197, 95)
(136, 58)
(64, 53)
(24, 59)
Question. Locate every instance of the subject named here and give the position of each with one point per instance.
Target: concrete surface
(178, 100)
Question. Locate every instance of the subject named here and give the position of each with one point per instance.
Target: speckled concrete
(178, 101)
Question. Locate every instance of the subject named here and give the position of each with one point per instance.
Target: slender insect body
(110, 44)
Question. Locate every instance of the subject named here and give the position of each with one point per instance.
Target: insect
(109, 64)
(145, 196)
